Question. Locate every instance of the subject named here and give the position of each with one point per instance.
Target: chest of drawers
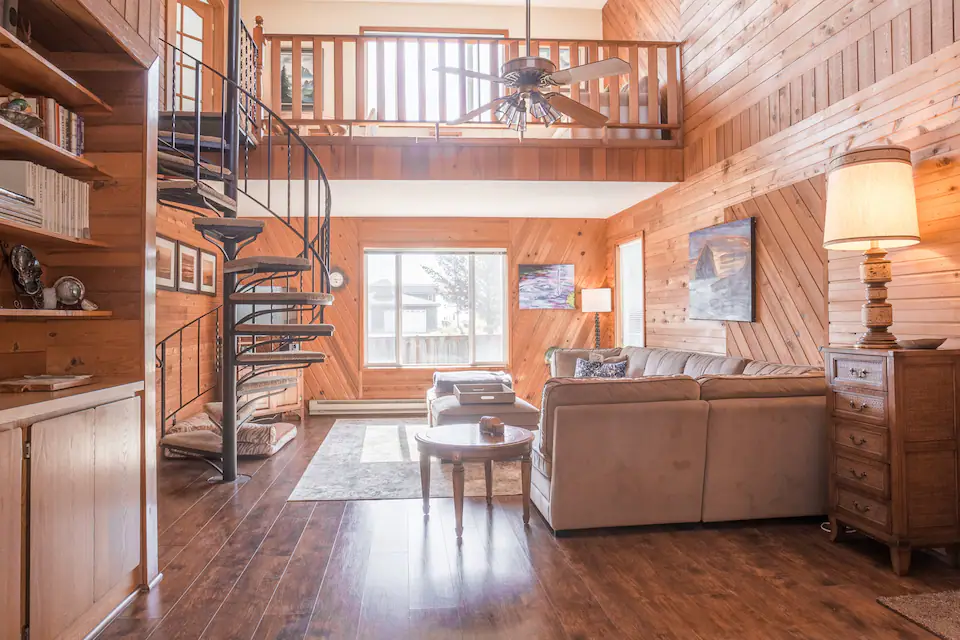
(894, 434)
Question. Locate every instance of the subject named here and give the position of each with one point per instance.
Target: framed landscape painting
(188, 268)
(722, 282)
(208, 273)
(547, 286)
(166, 264)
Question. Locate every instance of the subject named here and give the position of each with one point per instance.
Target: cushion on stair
(281, 434)
(215, 411)
(197, 422)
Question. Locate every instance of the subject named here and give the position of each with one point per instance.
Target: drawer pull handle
(858, 373)
(858, 409)
(860, 442)
(859, 476)
(861, 508)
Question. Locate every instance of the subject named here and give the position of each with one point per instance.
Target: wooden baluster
(258, 39)
(442, 94)
(276, 98)
(361, 107)
(653, 86)
(673, 86)
(594, 85)
(296, 88)
(634, 89)
(381, 74)
(462, 48)
(555, 53)
(575, 62)
(422, 78)
(401, 82)
(338, 78)
(317, 78)
(613, 82)
(495, 87)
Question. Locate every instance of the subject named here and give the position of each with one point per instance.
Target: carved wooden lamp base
(877, 313)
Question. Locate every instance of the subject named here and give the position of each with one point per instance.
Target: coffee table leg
(425, 482)
(525, 486)
(458, 496)
(488, 476)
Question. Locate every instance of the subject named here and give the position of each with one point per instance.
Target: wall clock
(337, 278)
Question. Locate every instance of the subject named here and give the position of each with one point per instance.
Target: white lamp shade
(871, 200)
(596, 300)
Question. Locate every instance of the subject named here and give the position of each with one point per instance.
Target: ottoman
(448, 410)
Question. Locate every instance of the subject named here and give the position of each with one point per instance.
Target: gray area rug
(938, 613)
(377, 459)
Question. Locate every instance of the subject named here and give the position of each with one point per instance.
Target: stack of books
(61, 126)
(39, 197)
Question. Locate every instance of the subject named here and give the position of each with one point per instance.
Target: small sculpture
(491, 425)
(17, 110)
(71, 294)
(26, 272)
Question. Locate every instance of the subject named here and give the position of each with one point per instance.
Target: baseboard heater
(367, 407)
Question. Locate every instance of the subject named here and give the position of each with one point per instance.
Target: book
(32, 194)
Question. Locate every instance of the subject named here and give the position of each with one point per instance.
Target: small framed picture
(208, 273)
(188, 268)
(166, 263)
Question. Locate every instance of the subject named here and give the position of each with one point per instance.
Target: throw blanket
(443, 381)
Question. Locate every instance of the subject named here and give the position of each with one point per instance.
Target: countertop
(22, 409)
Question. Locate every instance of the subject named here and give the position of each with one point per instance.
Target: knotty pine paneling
(915, 106)
(754, 68)
(344, 377)
(641, 20)
(925, 291)
(791, 307)
(408, 159)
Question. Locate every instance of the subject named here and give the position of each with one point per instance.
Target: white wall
(346, 18)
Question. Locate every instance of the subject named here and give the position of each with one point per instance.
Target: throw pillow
(587, 369)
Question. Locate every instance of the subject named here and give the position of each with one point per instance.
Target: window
(630, 291)
(435, 307)
(194, 23)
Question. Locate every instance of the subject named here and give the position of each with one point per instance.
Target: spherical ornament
(69, 291)
(17, 103)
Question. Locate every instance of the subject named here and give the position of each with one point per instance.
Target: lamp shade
(596, 300)
(871, 200)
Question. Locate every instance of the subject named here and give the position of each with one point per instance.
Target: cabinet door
(116, 493)
(11, 532)
(61, 522)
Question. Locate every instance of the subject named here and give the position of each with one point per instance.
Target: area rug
(377, 459)
(938, 613)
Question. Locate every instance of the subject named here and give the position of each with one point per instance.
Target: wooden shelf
(17, 144)
(35, 237)
(24, 70)
(53, 314)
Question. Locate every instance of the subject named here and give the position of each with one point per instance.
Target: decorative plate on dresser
(894, 440)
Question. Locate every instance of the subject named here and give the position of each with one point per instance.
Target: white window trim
(398, 285)
(619, 290)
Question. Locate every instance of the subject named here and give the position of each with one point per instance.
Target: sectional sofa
(685, 437)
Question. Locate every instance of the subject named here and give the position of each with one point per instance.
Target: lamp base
(596, 330)
(876, 313)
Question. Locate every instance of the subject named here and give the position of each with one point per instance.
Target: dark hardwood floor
(243, 563)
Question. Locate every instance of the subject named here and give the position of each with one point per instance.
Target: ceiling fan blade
(592, 71)
(467, 117)
(581, 114)
(471, 74)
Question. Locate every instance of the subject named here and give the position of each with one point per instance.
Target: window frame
(472, 252)
(619, 322)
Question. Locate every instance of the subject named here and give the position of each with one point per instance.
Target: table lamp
(872, 207)
(596, 301)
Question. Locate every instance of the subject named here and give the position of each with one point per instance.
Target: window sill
(433, 367)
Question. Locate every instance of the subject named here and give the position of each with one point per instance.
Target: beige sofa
(687, 438)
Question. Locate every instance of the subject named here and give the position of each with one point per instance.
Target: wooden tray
(43, 383)
(484, 394)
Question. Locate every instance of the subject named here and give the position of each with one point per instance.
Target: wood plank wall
(791, 308)
(753, 68)
(641, 19)
(531, 241)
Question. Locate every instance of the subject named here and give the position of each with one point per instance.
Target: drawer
(857, 406)
(866, 474)
(858, 370)
(864, 439)
(863, 508)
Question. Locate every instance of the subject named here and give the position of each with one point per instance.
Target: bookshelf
(54, 314)
(41, 238)
(23, 145)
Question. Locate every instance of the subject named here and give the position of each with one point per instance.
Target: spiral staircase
(203, 168)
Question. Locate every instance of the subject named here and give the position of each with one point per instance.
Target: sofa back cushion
(726, 387)
(702, 364)
(762, 368)
(636, 360)
(564, 361)
(559, 392)
(666, 362)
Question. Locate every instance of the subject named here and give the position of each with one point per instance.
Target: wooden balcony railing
(316, 80)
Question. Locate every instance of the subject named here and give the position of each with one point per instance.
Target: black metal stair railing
(169, 367)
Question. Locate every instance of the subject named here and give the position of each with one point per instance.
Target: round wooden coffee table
(465, 443)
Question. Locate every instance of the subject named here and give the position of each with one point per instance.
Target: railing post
(163, 388)
(258, 68)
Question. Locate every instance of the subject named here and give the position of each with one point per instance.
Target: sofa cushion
(743, 386)
(558, 392)
(600, 368)
(666, 362)
(702, 364)
(448, 410)
(637, 359)
(564, 361)
(762, 368)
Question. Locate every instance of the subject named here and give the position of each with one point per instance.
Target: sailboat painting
(721, 272)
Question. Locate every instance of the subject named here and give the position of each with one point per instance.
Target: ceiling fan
(534, 79)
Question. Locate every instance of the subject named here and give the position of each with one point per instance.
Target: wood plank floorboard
(242, 563)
